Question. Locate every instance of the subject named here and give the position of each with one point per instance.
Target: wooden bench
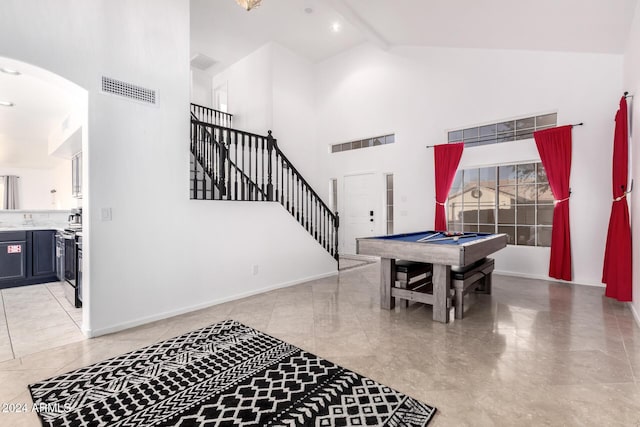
(476, 276)
(413, 277)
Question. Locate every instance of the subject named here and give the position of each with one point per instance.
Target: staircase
(230, 164)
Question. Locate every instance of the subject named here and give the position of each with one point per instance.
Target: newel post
(271, 142)
(222, 169)
(337, 256)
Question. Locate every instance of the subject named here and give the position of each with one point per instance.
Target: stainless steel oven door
(60, 256)
(79, 281)
(70, 258)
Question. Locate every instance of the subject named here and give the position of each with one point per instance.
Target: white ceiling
(224, 31)
(559, 25)
(39, 108)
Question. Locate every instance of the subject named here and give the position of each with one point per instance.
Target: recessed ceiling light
(7, 103)
(10, 71)
(336, 27)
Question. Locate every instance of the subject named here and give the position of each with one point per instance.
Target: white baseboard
(546, 278)
(636, 315)
(92, 333)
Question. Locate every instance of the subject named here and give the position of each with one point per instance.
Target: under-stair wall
(230, 164)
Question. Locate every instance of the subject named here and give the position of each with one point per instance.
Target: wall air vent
(128, 90)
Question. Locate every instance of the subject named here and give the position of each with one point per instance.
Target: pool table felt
(414, 237)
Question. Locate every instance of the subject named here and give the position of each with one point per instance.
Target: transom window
(364, 143)
(510, 130)
(511, 199)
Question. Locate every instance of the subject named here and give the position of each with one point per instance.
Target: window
(510, 130)
(389, 202)
(364, 143)
(334, 195)
(511, 199)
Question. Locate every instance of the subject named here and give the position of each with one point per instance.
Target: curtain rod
(577, 124)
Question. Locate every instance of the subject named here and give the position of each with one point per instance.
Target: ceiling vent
(128, 90)
(202, 62)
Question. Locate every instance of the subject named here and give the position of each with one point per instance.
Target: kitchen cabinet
(13, 256)
(76, 175)
(27, 258)
(44, 253)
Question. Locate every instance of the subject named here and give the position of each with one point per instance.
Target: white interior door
(360, 210)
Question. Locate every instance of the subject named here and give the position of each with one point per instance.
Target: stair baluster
(221, 152)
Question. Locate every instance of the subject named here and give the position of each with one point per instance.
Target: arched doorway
(43, 142)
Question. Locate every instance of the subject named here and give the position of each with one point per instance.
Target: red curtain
(446, 158)
(554, 146)
(616, 272)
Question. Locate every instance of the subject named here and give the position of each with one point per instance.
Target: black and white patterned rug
(226, 374)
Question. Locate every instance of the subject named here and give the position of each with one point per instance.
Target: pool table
(442, 250)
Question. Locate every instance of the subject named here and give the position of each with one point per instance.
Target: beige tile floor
(533, 353)
(348, 262)
(36, 318)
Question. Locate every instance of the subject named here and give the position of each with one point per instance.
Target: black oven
(79, 270)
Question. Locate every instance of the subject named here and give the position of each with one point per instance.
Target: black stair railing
(211, 147)
(209, 115)
(293, 192)
(249, 167)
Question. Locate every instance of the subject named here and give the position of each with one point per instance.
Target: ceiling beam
(352, 17)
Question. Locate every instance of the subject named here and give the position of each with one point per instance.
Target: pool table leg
(387, 279)
(441, 283)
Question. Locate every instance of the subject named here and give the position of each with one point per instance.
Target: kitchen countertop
(31, 227)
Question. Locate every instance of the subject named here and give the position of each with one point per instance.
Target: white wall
(34, 187)
(632, 84)
(201, 90)
(273, 89)
(420, 93)
(249, 91)
(161, 253)
(62, 184)
(67, 142)
(294, 121)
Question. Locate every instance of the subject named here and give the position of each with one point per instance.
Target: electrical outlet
(254, 269)
(105, 214)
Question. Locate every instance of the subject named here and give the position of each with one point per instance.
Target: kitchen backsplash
(38, 218)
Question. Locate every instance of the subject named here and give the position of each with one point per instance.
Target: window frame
(373, 141)
(508, 130)
(536, 183)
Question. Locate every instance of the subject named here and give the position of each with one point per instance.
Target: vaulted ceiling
(226, 32)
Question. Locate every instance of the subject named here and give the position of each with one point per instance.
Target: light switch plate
(105, 214)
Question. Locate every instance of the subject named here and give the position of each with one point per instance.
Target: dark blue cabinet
(27, 258)
(13, 256)
(44, 253)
